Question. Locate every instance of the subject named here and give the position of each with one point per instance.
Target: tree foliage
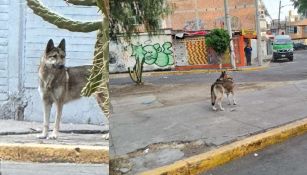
(131, 16)
(301, 6)
(218, 40)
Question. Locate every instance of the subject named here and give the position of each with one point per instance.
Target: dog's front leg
(229, 102)
(47, 109)
(55, 132)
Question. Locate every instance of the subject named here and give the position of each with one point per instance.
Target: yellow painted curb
(203, 162)
(54, 153)
(188, 72)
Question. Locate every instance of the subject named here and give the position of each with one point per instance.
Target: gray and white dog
(223, 85)
(58, 84)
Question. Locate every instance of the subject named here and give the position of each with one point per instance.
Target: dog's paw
(42, 136)
(222, 109)
(214, 108)
(106, 136)
(53, 136)
(234, 103)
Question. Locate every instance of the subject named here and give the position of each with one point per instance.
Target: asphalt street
(288, 158)
(278, 71)
(17, 168)
(175, 97)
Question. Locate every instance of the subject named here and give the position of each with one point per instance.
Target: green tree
(129, 17)
(219, 41)
(301, 6)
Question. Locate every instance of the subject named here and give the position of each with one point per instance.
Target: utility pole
(278, 27)
(259, 49)
(227, 19)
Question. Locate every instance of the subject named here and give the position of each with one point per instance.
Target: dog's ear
(62, 45)
(50, 46)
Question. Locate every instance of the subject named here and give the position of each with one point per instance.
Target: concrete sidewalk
(12, 131)
(77, 143)
(149, 138)
(17, 168)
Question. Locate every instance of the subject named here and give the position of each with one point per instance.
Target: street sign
(249, 33)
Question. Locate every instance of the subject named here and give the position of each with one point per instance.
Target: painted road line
(54, 153)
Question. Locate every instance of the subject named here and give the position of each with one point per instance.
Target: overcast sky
(272, 6)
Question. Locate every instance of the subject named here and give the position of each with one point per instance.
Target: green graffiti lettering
(154, 54)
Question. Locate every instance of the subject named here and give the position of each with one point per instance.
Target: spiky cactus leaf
(60, 21)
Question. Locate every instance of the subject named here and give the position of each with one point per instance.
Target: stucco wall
(157, 50)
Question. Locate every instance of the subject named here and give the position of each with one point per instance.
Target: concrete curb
(189, 72)
(54, 153)
(203, 162)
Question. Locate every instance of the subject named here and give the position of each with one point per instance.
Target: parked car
(299, 46)
(282, 47)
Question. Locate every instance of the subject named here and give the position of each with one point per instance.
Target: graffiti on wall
(154, 54)
(193, 25)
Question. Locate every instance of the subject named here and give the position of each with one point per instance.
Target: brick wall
(209, 12)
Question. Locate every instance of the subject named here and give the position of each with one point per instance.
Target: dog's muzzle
(58, 66)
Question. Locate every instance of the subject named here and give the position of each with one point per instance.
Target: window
(293, 29)
(305, 29)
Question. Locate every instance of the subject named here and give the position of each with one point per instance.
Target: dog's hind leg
(220, 103)
(59, 109)
(233, 98)
(214, 108)
(213, 101)
(47, 109)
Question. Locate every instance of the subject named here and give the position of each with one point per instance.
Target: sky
(272, 6)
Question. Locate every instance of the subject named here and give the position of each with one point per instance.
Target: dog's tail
(213, 97)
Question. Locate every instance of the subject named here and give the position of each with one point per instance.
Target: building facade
(193, 15)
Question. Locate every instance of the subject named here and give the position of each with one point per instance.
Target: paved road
(14, 168)
(288, 158)
(279, 71)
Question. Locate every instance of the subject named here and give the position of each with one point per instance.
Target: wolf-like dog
(224, 84)
(58, 84)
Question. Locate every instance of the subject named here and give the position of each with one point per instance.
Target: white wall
(4, 35)
(23, 38)
(122, 56)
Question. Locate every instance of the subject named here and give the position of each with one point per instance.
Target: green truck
(282, 47)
